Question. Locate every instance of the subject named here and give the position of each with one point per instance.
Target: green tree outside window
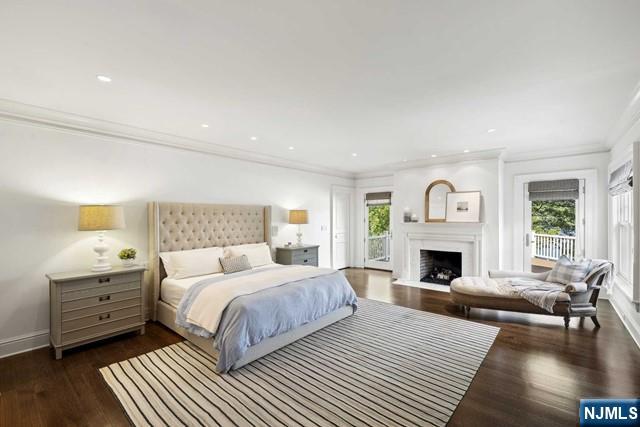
(378, 220)
(554, 217)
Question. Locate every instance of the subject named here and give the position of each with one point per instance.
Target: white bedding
(172, 290)
(201, 312)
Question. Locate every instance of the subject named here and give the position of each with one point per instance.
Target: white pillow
(194, 262)
(257, 253)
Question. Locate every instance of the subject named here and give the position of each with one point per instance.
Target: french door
(378, 234)
(554, 222)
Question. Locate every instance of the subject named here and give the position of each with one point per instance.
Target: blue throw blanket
(249, 319)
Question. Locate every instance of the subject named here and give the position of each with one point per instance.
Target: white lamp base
(299, 234)
(101, 248)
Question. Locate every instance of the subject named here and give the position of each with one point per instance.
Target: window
(622, 218)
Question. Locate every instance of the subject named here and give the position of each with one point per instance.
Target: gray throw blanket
(537, 292)
(545, 294)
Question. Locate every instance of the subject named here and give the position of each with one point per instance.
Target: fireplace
(440, 267)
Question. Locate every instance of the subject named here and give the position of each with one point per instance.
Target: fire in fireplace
(440, 267)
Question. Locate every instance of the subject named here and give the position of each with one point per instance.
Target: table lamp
(101, 218)
(299, 217)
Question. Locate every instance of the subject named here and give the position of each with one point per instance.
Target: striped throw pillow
(234, 264)
(566, 272)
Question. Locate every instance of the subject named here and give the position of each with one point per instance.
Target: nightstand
(88, 306)
(297, 255)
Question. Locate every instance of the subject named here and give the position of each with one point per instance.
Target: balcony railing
(547, 246)
(379, 247)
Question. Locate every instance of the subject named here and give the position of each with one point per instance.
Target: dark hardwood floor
(534, 374)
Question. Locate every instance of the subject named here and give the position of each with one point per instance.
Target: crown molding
(390, 169)
(627, 129)
(577, 150)
(16, 112)
(506, 155)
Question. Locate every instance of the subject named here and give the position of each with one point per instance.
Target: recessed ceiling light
(354, 154)
(491, 130)
(204, 125)
(291, 148)
(404, 160)
(465, 151)
(254, 138)
(434, 155)
(102, 78)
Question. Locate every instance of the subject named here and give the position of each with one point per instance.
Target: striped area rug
(384, 366)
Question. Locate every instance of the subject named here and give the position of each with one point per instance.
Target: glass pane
(553, 224)
(378, 237)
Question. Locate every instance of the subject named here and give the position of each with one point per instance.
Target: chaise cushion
(489, 287)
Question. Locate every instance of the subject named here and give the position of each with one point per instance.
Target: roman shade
(561, 189)
(621, 179)
(378, 199)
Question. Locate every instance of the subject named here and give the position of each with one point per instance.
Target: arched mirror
(435, 200)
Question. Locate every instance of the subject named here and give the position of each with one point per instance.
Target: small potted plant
(128, 257)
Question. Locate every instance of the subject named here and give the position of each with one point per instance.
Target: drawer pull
(104, 316)
(306, 250)
(104, 280)
(104, 298)
(306, 260)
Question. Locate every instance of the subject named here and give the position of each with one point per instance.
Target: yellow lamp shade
(298, 216)
(100, 217)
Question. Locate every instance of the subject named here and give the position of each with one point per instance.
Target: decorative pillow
(194, 262)
(235, 263)
(258, 254)
(566, 272)
(236, 248)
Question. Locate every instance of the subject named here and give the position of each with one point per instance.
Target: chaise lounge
(500, 291)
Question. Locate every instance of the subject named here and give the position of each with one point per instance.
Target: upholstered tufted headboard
(184, 226)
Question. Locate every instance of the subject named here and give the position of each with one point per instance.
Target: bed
(187, 226)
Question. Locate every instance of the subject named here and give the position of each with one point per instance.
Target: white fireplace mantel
(466, 238)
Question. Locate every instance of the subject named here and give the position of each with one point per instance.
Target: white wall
(410, 186)
(597, 161)
(45, 174)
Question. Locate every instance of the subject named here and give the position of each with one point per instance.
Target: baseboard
(22, 343)
(628, 322)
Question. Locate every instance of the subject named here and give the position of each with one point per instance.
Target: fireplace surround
(466, 239)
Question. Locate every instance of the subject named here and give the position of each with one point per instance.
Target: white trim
(591, 213)
(628, 323)
(15, 112)
(30, 115)
(443, 159)
(624, 130)
(636, 228)
(508, 156)
(336, 188)
(25, 342)
(361, 220)
(555, 153)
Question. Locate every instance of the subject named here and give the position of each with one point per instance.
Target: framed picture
(463, 206)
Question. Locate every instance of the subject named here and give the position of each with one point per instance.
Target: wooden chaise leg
(594, 319)
(566, 322)
(467, 311)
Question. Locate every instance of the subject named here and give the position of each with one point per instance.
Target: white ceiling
(389, 80)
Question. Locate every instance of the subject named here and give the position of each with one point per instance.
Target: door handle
(527, 240)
